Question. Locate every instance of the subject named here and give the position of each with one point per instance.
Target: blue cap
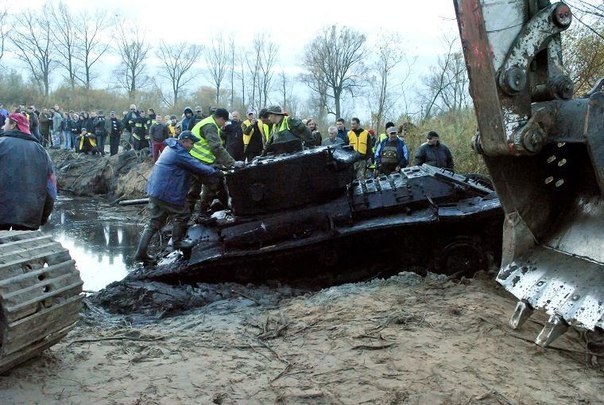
(189, 135)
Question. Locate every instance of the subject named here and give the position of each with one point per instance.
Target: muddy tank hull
(40, 295)
(422, 218)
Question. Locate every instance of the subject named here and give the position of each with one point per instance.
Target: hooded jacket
(27, 195)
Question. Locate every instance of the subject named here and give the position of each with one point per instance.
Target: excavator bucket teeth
(545, 153)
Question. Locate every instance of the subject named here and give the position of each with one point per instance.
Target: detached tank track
(40, 295)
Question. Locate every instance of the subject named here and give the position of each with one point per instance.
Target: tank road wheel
(40, 295)
(460, 257)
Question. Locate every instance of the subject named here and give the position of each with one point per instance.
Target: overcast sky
(422, 25)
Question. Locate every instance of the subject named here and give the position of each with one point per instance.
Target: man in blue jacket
(167, 190)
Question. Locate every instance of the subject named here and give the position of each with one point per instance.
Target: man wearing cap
(167, 189)
(288, 134)
(197, 116)
(434, 153)
(391, 155)
(210, 150)
(115, 133)
(27, 195)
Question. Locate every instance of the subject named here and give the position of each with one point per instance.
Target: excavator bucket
(545, 152)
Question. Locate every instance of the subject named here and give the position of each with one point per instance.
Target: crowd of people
(90, 131)
(190, 153)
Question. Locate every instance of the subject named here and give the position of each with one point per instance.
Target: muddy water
(101, 238)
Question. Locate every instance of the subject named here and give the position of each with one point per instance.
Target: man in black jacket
(434, 153)
(29, 186)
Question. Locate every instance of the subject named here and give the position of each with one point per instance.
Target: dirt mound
(120, 176)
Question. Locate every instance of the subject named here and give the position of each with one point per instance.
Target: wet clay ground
(405, 340)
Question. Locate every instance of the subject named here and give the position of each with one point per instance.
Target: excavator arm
(544, 149)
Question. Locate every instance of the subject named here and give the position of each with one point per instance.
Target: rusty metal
(40, 295)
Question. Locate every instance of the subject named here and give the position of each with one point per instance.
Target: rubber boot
(141, 254)
(178, 233)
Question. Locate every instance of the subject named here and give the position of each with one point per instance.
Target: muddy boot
(178, 233)
(141, 254)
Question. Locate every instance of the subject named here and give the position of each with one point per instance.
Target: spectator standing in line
(57, 122)
(171, 124)
(434, 153)
(332, 138)
(314, 131)
(360, 141)
(115, 133)
(342, 131)
(253, 135)
(100, 131)
(73, 129)
(34, 122)
(197, 117)
(187, 122)
(233, 132)
(391, 154)
(45, 127)
(158, 133)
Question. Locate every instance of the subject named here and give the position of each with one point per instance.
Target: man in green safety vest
(288, 134)
(210, 150)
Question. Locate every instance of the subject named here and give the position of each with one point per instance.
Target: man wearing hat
(434, 153)
(27, 195)
(288, 134)
(391, 155)
(210, 150)
(167, 189)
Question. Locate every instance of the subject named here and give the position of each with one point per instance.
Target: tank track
(40, 295)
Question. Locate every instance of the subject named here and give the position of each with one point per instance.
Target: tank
(40, 295)
(303, 215)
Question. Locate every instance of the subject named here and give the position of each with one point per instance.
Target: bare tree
(265, 56)
(65, 36)
(335, 59)
(446, 87)
(389, 56)
(218, 61)
(32, 36)
(91, 46)
(132, 51)
(177, 63)
(233, 60)
(3, 31)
